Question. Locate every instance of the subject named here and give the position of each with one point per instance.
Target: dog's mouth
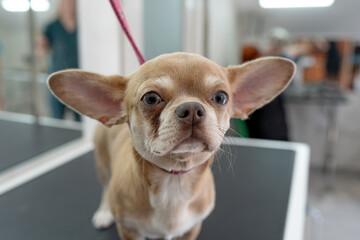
(186, 143)
(188, 151)
(190, 144)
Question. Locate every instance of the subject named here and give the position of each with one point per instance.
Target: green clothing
(64, 55)
(63, 45)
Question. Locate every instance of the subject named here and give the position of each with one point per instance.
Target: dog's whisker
(236, 133)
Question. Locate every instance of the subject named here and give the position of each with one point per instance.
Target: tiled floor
(339, 207)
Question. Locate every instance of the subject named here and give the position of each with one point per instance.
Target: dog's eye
(220, 98)
(151, 99)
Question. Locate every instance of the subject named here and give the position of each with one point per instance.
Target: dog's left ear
(257, 82)
(97, 96)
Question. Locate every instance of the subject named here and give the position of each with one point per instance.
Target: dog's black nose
(191, 113)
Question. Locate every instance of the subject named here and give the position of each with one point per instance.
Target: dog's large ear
(258, 82)
(94, 95)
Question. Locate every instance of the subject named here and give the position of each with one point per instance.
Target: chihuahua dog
(155, 169)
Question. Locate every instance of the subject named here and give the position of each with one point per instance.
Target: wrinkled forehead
(182, 72)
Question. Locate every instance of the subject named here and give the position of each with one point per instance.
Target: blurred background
(320, 108)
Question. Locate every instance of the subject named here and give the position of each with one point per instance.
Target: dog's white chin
(189, 147)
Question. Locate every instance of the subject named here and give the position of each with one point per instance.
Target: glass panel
(26, 59)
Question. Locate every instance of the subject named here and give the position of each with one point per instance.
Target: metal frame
(45, 121)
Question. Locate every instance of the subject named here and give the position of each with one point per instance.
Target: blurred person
(333, 62)
(250, 52)
(301, 51)
(311, 59)
(356, 83)
(60, 40)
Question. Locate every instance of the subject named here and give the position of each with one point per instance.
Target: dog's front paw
(102, 219)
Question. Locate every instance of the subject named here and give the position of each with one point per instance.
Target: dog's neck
(153, 174)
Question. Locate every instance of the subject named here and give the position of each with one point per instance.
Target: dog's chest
(172, 215)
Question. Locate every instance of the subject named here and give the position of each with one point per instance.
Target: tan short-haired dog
(155, 169)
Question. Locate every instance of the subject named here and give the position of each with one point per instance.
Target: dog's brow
(212, 80)
(165, 82)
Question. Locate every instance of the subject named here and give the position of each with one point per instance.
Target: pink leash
(121, 17)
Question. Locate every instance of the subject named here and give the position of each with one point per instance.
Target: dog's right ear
(258, 82)
(94, 95)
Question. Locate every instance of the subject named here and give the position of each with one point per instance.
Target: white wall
(99, 37)
(193, 26)
(222, 35)
(222, 32)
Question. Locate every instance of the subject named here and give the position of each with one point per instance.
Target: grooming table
(20, 141)
(253, 186)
